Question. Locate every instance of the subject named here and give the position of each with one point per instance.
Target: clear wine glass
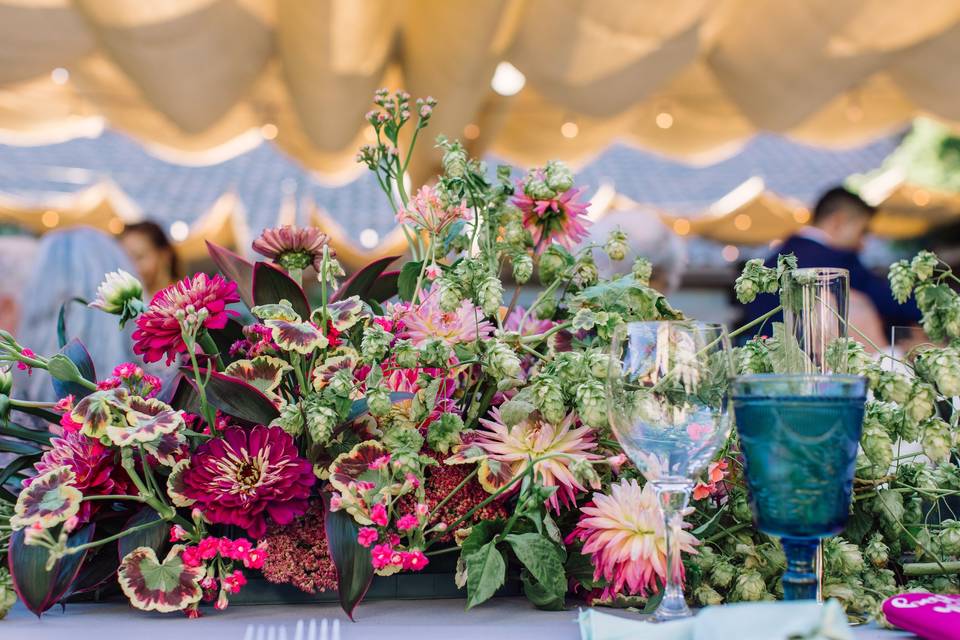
(668, 403)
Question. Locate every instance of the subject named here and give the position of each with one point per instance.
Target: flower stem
(116, 536)
(113, 497)
(756, 321)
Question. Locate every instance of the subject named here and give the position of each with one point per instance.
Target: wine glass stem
(800, 578)
(673, 498)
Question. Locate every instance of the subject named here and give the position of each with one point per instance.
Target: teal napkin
(744, 621)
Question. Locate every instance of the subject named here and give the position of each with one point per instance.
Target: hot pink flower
(241, 547)
(378, 514)
(234, 582)
(407, 522)
(414, 560)
(23, 366)
(255, 558)
(625, 534)
(191, 556)
(380, 462)
(248, 475)
(292, 247)
(158, 330)
(422, 509)
(209, 547)
(177, 533)
(367, 536)
(380, 556)
(427, 211)
(561, 219)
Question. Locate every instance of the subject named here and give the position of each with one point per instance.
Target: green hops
(444, 432)
(707, 595)
(592, 403)
(378, 401)
(941, 368)
(558, 176)
(893, 387)
(585, 273)
(616, 246)
(754, 280)
(750, 587)
(450, 295)
(375, 344)
(291, 419)
(490, 294)
(842, 556)
(722, 574)
(546, 307)
(321, 419)
(753, 357)
(502, 361)
(642, 271)
(877, 444)
(889, 506)
(937, 440)
(548, 398)
(553, 262)
(454, 161)
(923, 265)
(846, 355)
(435, 353)
(405, 354)
(922, 403)
(901, 280)
(950, 537)
(522, 267)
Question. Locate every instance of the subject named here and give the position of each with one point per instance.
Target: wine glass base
(672, 610)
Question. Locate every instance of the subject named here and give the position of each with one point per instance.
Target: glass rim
(822, 273)
(806, 377)
(686, 323)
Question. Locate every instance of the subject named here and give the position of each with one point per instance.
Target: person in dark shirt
(834, 239)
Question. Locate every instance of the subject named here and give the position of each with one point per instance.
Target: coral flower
(561, 219)
(426, 321)
(624, 532)
(504, 451)
(247, 475)
(292, 247)
(158, 329)
(427, 211)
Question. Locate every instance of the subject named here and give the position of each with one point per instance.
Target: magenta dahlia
(248, 475)
(292, 247)
(158, 329)
(93, 465)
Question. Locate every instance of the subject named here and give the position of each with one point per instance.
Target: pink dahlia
(625, 534)
(503, 453)
(158, 330)
(292, 247)
(248, 475)
(561, 219)
(93, 466)
(426, 321)
(428, 211)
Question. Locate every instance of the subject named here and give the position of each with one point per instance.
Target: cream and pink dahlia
(292, 247)
(158, 328)
(503, 453)
(428, 211)
(624, 533)
(559, 219)
(423, 322)
(247, 476)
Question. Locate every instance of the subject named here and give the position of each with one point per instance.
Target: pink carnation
(407, 522)
(380, 556)
(378, 514)
(367, 536)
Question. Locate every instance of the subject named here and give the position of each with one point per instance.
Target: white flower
(120, 294)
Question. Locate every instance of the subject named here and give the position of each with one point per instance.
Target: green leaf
(543, 559)
(16, 465)
(78, 354)
(235, 268)
(16, 431)
(407, 281)
(38, 588)
(580, 568)
(354, 567)
(235, 397)
(365, 282)
(62, 321)
(271, 285)
(480, 534)
(539, 595)
(486, 572)
(155, 537)
(785, 352)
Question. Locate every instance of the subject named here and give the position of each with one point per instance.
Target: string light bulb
(569, 129)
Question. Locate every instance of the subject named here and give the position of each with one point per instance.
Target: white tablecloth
(499, 619)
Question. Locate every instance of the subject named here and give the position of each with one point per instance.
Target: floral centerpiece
(395, 416)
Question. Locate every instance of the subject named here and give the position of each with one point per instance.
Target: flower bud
(559, 177)
(552, 263)
(119, 294)
(63, 368)
(546, 307)
(585, 273)
(876, 552)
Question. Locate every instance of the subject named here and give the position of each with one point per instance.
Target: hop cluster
(941, 368)
(754, 280)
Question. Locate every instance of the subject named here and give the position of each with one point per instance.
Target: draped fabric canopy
(201, 80)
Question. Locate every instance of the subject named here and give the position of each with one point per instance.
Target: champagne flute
(668, 404)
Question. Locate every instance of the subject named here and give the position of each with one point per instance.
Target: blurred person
(71, 263)
(835, 238)
(155, 257)
(17, 253)
(648, 238)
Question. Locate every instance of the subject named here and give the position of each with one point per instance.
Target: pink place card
(929, 615)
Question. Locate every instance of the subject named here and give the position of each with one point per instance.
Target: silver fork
(325, 630)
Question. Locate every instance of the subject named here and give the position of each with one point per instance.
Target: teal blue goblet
(799, 436)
